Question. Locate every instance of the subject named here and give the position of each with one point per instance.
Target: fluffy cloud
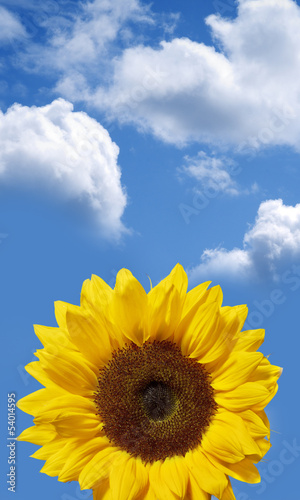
(243, 91)
(212, 172)
(79, 43)
(100, 23)
(66, 152)
(271, 244)
(10, 27)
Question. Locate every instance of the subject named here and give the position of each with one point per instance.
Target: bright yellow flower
(148, 396)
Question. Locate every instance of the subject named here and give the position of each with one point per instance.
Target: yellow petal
(60, 309)
(175, 474)
(165, 303)
(70, 371)
(266, 374)
(223, 323)
(56, 461)
(194, 491)
(76, 461)
(235, 371)
(149, 495)
(195, 297)
(227, 439)
(243, 470)
(53, 338)
(255, 425)
(262, 415)
(49, 449)
(232, 320)
(102, 491)
(96, 301)
(96, 294)
(36, 370)
(244, 397)
(208, 477)
(99, 467)
(90, 336)
(178, 278)
(264, 446)
(228, 493)
(38, 434)
(262, 404)
(169, 479)
(128, 306)
(86, 426)
(249, 340)
(197, 333)
(128, 478)
(59, 405)
(35, 402)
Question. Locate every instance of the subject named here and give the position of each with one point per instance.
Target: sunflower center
(158, 400)
(153, 401)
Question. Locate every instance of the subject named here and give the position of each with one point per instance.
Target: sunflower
(150, 396)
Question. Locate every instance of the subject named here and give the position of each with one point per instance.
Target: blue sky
(140, 135)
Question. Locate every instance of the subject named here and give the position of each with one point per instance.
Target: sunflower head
(147, 396)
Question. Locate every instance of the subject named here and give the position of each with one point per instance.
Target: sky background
(140, 135)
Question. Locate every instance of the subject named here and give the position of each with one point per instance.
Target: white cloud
(10, 27)
(241, 91)
(244, 91)
(79, 43)
(67, 153)
(212, 172)
(270, 245)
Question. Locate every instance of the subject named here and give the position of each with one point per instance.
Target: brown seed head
(153, 401)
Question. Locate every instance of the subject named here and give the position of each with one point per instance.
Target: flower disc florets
(154, 402)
